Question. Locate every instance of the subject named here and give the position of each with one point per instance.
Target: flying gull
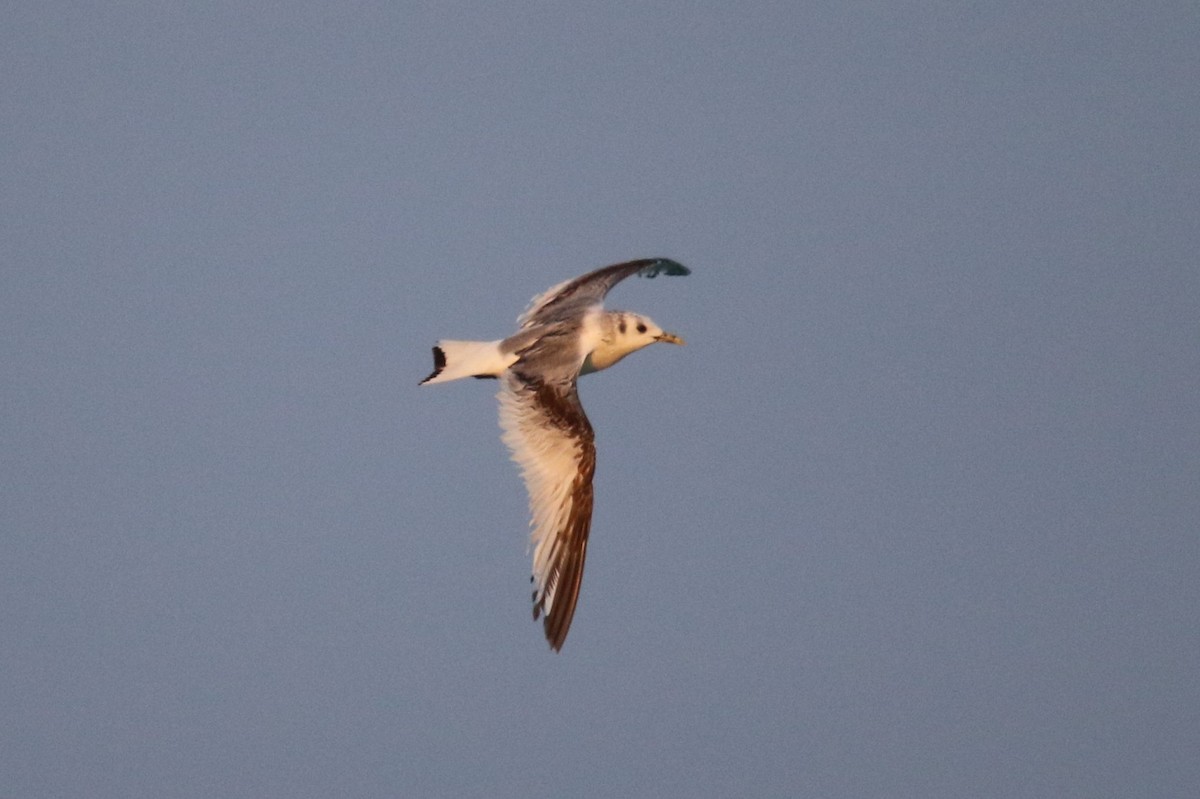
(563, 334)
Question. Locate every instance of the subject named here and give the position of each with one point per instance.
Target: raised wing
(551, 440)
(569, 296)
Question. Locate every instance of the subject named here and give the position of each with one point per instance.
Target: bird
(563, 334)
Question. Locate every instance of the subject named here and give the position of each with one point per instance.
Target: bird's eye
(641, 328)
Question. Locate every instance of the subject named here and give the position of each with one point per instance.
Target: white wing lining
(551, 440)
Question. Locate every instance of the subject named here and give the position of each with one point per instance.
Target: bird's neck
(606, 353)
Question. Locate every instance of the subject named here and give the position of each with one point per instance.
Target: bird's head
(626, 332)
(635, 331)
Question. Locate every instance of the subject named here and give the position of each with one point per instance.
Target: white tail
(453, 360)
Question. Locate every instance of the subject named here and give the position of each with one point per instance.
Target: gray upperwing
(548, 354)
(570, 298)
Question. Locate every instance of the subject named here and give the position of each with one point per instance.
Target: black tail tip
(439, 363)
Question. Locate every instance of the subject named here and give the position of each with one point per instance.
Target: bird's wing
(571, 296)
(551, 440)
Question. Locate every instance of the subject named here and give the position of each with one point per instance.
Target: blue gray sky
(915, 512)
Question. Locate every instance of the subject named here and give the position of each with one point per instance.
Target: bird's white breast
(591, 332)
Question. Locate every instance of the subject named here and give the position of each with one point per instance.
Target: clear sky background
(916, 513)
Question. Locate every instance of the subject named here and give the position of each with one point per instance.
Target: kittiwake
(563, 334)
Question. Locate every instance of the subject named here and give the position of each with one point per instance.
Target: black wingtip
(439, 363)
(665, 266)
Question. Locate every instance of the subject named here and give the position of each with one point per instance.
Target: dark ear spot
(641, 328)
(621, 327)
